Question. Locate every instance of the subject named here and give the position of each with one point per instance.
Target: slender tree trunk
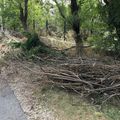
(2, 16)
(24, 14)
(65, 30)
(117, 45)
(2, 25)
(63, 16)
(34, 26)
(47, 29)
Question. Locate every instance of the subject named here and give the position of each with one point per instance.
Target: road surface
(10, 108)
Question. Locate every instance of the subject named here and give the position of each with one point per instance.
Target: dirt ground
(23, 84)
(40, 101)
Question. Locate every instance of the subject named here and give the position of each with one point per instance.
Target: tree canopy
(98, 22)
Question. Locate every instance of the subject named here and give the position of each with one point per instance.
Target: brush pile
(88, 79)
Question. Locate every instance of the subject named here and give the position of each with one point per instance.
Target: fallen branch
(89, 79)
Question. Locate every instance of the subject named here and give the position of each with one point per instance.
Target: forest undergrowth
(48, 84)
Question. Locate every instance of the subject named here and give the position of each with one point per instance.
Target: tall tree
(114, 16)
(2, 4)
(75, 9)
(63, 16)
(24, 14)
(75, 21)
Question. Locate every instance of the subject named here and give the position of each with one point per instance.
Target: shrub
(33, 41)
(106, 43)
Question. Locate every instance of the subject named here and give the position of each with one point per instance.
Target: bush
(33, 46)
(33, 41)
(27, 34)
(106, 43)
(15, 44)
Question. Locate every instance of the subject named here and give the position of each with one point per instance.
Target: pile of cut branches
(88, 79)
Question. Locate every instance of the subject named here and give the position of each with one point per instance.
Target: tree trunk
(64, 30)
(2, 16)
(79, 45)
(117, 45)
(76, 27)
(24, 14)
(25, 26)
(75, 24)
(2, 23)
(47, 29)
(34, 26)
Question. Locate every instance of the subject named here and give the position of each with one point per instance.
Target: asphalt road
(10, 108)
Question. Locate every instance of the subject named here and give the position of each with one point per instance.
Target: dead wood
(88, 79)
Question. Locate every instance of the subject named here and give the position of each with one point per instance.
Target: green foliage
(33, 46)
(114, 12)
(27, 34)
(111, 111)
(93, 17)
(37, 50)
(10, 14)
(107, 39)
(89, 14)
(43, 50)
(100, 43)
(33, 41)
(106, 42)
(15, 44)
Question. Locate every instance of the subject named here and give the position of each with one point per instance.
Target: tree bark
(2, 16)
(34, 26)
(76, 27)
(59, 8)
(47, 29)
(63, 16)
(2, 23)
(75, 24)
(24, 14)
(65, 30)
(117, 45)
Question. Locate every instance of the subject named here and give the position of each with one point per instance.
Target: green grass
(69, 106)
(112, 111)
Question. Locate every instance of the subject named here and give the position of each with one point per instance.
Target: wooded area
(74, 43)
(94, 22)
